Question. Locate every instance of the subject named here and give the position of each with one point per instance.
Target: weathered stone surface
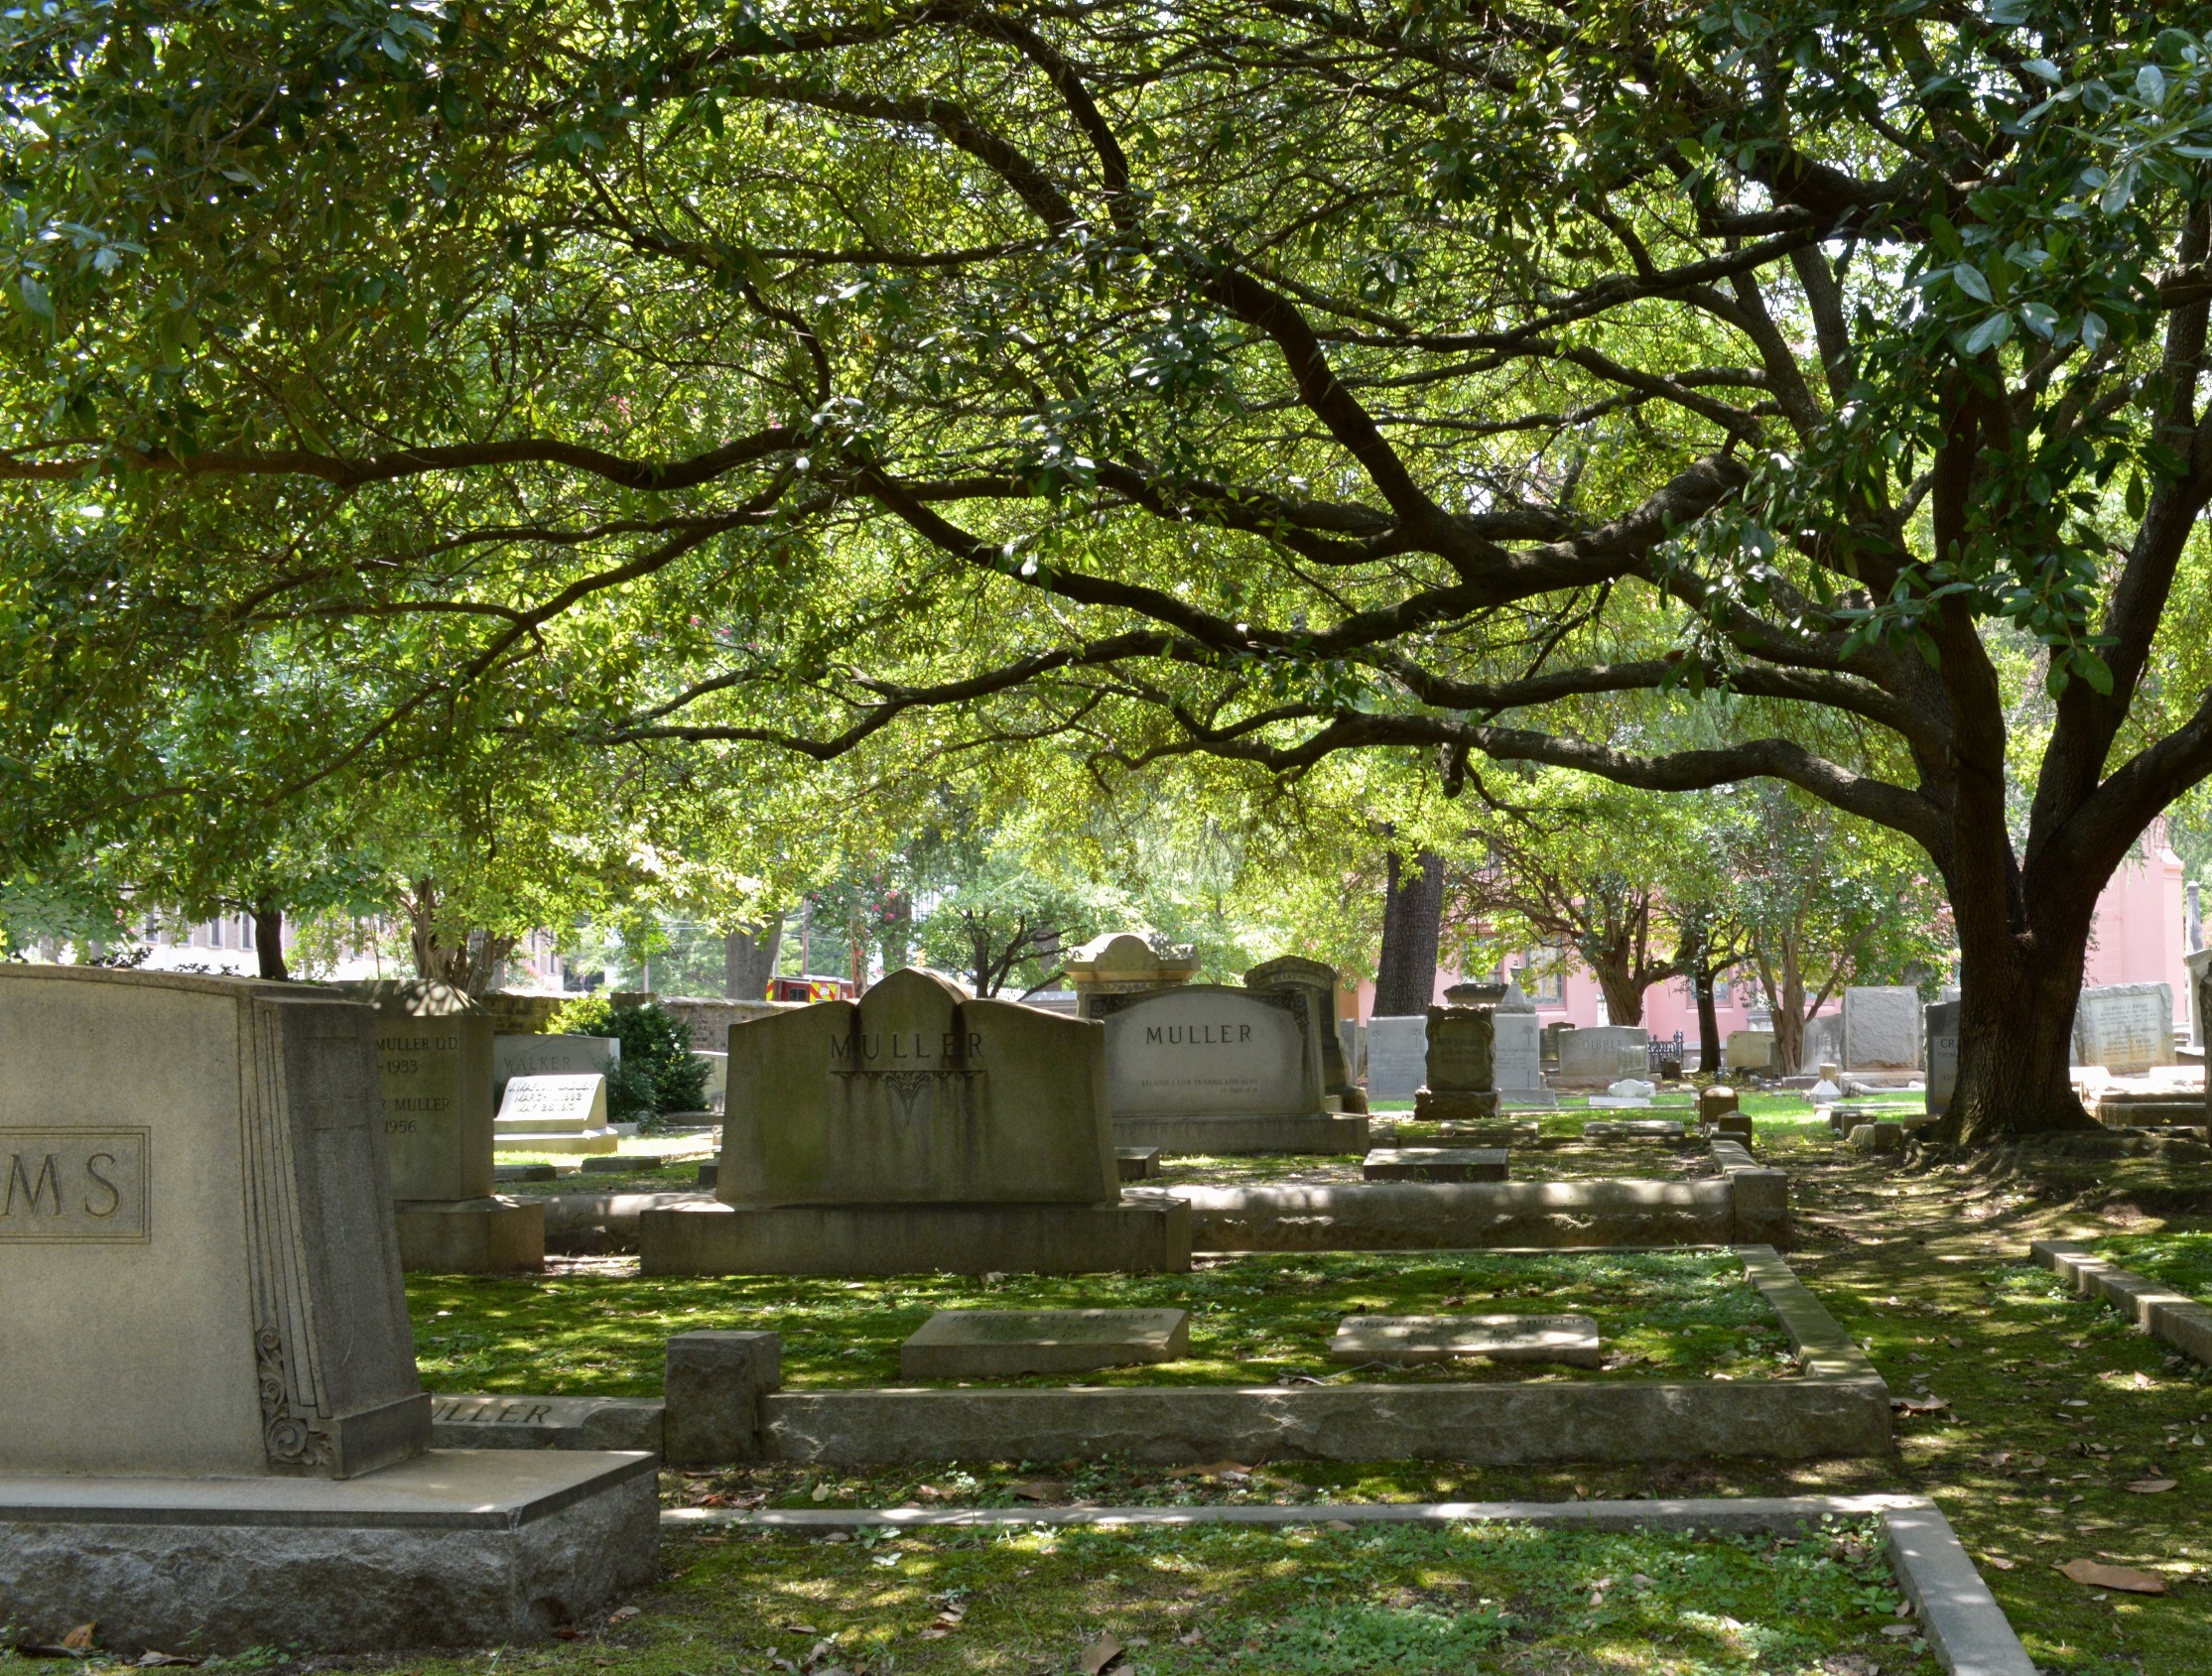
(1749, 1050)
(715, 1093)
(1146, 1232)
(552, 1104)
(1886, 1137)
(448, 1549)
(1001, 1344)
(1137, 1163)
(523, 1173)
(546, 1422)
(1398, 1056)
(1635, 1128)
(2124, 1027)
(1735, 1123)
(1508, 1133)
(1460, 1050)
(1323, 1135)
(714, 1385)
(1434, 1164)
(1456, 1106)
(1939, 1023)
(1882, 1027)
(434, 1048)
(551, 1055)
(1430, 1216)
(917, 1094)
(1518, 1051)
(709, 1018)
(1570, 1339)
(1713, 1099)
(490, 1235)
(1601, 1056)
(1210, 1050)
(620, 1164)
(1320, 981)
(521, 1013)
(1127, 964)
(215, 1265)
(1759, 1197)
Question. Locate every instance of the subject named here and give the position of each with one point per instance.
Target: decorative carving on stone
(291, 1439)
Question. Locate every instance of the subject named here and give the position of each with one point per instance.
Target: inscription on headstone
(72, 1184)
(2124, 1027)
(434, 1063)
(1208, 1050)
(551, 1056)
(1398, 1056)
(1882, 1027)
(1940, 1020)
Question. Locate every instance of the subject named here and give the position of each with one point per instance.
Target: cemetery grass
(1255, 1320)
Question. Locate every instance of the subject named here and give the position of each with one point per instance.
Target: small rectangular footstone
(1635, 1128)
(1435, 1164)
(1527, 1133)
(1137, 1163)
(619, 1164)
(1570, 1339)
(995, 1344)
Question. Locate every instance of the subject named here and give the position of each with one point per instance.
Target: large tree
(1245, 377)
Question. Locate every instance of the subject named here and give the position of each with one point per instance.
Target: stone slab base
(471, 1235)
(546, 1422)
(1467, 1216)
(1454, 1106)
(1327, 1132)
(585, 1140)
(1137, 1163)
(1002, 1344)
(1434, 1164)
(455, 1548)
(1148, 1232)
(2155, 1307)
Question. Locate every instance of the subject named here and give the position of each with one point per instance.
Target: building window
(1541, 976)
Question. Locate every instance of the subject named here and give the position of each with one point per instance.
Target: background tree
(1483, 381)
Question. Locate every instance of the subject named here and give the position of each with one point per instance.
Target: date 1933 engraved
(76, 1186)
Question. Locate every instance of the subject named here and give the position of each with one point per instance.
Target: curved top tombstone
(1125, 957)
(916, 1093)
(1293, 972)
(1483, 994)
(203, 1272)
(1210, 1051)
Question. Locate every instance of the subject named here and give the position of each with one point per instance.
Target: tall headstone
(1398, 1056)
(1823, 1043)
(913, 1129)
(1319, 983)
(1940, 1050)
(1882, 1027)
(1749, 1050)
(1209, 1069)
(1517, 1051)
(709, 1017)
(1600, 1056)
(1127, 964)
(1549, 1042)
(434, 1048)
(1462, 1071)
(2124, 1027)
(206, 1309)
(2197, 965)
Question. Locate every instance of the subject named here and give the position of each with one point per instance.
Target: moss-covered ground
(2057, 1424)
(1254, 1320)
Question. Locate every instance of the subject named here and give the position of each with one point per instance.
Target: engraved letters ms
(76, 1184)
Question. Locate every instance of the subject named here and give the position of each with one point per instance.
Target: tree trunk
(1708, 1025)
(1617, 979)
(1789, 1014)
(1412, 919)
(2017, 1001)
(268, 941)
(749, 957)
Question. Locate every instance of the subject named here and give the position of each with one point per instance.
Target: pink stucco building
(2139, 937)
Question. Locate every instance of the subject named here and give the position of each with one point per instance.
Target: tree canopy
(1677, 393)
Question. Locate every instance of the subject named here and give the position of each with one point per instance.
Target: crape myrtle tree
(1247, 377)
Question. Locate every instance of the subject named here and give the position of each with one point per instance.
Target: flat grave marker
(1568, 1338)
(1434, 1164)
(1001, 1344)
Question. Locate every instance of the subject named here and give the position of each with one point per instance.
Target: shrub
(657, 1073)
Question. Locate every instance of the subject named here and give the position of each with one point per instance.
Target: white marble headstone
(1398, 1056)
(2124, 1027)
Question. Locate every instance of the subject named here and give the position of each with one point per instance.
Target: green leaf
(2150, 88)
(1969, 280)
(35, 298)
(1991, 332)
(2138, 497)
(2093, 669)
(2042, 67)
(2093, 331)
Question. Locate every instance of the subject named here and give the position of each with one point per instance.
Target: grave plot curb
(1748, 1203)
(1965, 1626)
(2152, 1306)
(1838, 1407)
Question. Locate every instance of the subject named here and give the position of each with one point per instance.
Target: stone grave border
(1838, 1406)
(1748, 1206)
(1966, 1628)
(2151, 1306)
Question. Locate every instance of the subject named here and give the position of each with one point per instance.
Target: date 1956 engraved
(71, 1185)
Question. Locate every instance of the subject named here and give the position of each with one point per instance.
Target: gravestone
(1398, 1056)
(1127, 964)
(714, 1090)
(1881, 1028)
(1940, 1024)
(1567, 1339)
(1550, 1039)
(1749, 1050)
(1434, 1164)
(708, 1018)
(1206, 1067)
(1517, 1051)
(1600, 1056)
(1460, 1085)
(551, 1055)
(213, 1429)
(2197, 968)
(557, 1113)
(1713, 1099)
(520, 1013)
(434, 1048)
(2124, 1027)
(918, 1129)
(1823, 1042)
(1003, 1344)
(1318, 983)
(1352, 1038)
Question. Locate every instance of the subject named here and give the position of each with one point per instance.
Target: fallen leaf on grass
(622, 1614)
(2152, 1487)
(2094, 1576)
(1918, 1405)
(1998, 1561)
(1336, 1524)
(935, 1635)
(79, 1638)
(1099, 1654)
